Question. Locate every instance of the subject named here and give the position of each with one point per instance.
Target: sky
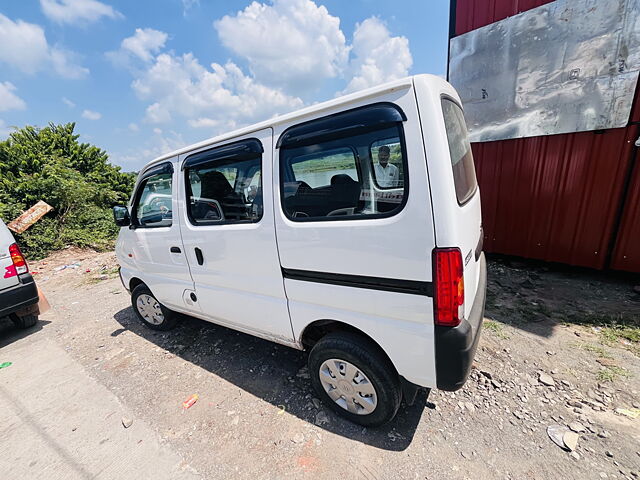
(141, 78)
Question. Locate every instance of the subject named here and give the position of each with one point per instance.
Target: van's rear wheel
(355, 379)
(148, 309)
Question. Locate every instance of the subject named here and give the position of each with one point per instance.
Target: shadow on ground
(538, 297)
(269, 371)
(9, 333)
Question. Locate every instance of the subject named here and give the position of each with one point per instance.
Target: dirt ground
(559, 347)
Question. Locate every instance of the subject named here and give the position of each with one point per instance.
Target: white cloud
(144, 43)
(91, 115)
(157, 131)
(293, 44)
(68, 102)
(204, 122)
(188, 5)
(134, 127)
(180, 85)
(77, 11)
(8, 99)
(155, 146)
(377, 56)
(25, 47)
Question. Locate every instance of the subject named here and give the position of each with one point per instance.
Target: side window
(153, 207)
(358, 176)
(464, 173)
(225, 191)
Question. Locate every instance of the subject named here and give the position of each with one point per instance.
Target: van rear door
(468, 218)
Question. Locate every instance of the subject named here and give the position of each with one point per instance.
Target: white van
(350, 229)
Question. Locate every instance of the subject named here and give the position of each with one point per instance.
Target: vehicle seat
(345, 192)
(214, 186)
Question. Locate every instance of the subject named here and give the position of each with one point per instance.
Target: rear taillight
(448, 288)
(19, 262)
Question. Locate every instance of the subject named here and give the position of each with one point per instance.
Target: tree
(76, 179)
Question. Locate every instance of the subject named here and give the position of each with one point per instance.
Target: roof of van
(318, 107)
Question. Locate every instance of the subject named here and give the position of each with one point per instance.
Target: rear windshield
(464, 173)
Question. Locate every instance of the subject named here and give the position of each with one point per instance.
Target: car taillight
(19, 262)
(448, 289)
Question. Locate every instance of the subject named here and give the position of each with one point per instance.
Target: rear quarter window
(464, 173)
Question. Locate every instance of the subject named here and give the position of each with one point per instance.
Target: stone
(546, 379)
(486, 374)
(570, 439)
(298, 438)
(575, 455)
(577, 427)
(127, 422)
(321, 418)
(608, 454)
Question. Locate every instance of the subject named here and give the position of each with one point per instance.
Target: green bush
(76, 179)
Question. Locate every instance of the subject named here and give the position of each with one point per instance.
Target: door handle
(175, 250)
(199, 256)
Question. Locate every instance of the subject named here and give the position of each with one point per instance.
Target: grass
(610, 374)
(496, 328)
(614, 329)
(599, 351)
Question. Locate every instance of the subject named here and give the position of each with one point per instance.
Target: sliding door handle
(199, 256)
(175, 250)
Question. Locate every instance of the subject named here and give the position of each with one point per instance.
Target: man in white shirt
(386, 173)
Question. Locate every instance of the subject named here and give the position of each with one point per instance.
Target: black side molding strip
(413, 287)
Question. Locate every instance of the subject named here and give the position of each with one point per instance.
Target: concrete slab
(56, 422)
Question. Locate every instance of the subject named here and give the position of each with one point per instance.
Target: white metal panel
(240, 283)
(567, 66)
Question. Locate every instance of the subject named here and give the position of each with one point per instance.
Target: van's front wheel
(148, 309)
(355, 379)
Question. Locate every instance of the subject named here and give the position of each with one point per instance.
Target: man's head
(383, 155)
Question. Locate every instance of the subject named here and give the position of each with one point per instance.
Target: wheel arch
(319, 328)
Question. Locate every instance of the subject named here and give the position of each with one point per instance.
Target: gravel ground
(552, 353)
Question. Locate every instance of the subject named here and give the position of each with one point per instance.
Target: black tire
(24, 321)
(368, 358)
(169, 319)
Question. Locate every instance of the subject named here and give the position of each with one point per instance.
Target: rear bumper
(19, 296)
(456, 346)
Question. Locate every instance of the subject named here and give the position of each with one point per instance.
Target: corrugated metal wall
(564, 198)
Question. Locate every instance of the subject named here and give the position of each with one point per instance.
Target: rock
(575, 455)
(546, 379)
(486, 374)
(495, 384)
(608, 454)
(470, 406)
(127, 422)
(316, 402)
(298, 438)
(235, 420)
(577, 427)
(574, 403)
(570, 439)
(603, 475)
(321, 418)
(466, 455)
(606, 362)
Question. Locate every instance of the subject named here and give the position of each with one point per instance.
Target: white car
(18, 292)
(351, 229)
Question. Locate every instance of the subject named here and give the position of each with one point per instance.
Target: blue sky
(143, 77)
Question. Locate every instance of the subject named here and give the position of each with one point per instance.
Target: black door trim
(413, 287)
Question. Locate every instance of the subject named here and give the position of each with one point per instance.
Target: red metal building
(570, 198)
